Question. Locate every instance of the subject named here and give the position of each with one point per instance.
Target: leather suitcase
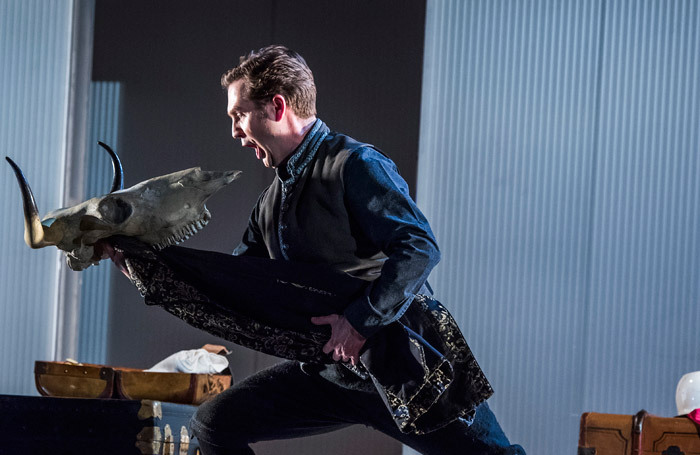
(641, 434)
(85, 380)
(78, 426)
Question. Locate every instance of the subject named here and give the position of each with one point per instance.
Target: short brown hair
(276, 70)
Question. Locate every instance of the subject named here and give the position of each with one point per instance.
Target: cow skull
(161, 211)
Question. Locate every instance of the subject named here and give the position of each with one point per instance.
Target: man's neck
(298, 128)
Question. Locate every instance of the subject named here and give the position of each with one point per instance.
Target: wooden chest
(77, 426)
(641, 434)
(71, 380)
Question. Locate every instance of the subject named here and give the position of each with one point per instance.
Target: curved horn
(118, 182)
(33, 230)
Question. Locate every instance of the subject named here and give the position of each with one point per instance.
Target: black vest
(310, 220)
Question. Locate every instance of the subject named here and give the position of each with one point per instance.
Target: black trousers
(286, 402)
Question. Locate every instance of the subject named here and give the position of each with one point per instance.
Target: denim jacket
(341, 203)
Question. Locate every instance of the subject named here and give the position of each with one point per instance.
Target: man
(339, 203)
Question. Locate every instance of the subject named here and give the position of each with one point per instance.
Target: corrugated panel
(558, 166)
(95, 286)
(507, 134)
(35, 41)
(645, 240)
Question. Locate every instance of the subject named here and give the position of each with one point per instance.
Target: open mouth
(258, 151)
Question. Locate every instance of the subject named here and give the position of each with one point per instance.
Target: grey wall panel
(95, 286)
(504, 176)
(644, 262)
(558, 165)
(34, 69)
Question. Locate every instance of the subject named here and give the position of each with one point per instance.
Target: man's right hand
(345, 342)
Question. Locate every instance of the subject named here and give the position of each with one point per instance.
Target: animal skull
(161, 211)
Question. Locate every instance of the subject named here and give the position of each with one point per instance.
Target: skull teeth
(184, 233)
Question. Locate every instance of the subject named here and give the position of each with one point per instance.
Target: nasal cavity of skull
(114, 210)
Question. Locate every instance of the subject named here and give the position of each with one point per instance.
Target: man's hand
(345, 342)
(104, 250)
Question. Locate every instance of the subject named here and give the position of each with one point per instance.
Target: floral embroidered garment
(421, 364)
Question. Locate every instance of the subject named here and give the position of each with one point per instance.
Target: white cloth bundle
(195, 361)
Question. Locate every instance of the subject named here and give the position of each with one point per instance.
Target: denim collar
(306, 152)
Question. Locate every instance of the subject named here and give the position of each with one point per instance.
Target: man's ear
(280, 106)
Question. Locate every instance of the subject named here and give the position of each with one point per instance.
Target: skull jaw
(178, 232)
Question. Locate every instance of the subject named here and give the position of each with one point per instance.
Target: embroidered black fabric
(159, 285)
(421, 365)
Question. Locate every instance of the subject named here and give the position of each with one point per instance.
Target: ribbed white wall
(95, 286)
(558, 166)
(35, 39)
(645, 243)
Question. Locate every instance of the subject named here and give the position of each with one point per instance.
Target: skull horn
(33, 229)
(118, 182)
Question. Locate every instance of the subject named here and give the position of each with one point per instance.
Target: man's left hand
(104, 249)
(345, 342)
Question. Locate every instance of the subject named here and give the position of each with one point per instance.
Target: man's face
(252, 124)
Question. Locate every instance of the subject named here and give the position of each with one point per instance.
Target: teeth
(184, 232)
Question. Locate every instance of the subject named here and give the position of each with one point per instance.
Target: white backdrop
(35, 38)
(559, 169)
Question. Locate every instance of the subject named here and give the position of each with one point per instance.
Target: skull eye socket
(114, 210)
